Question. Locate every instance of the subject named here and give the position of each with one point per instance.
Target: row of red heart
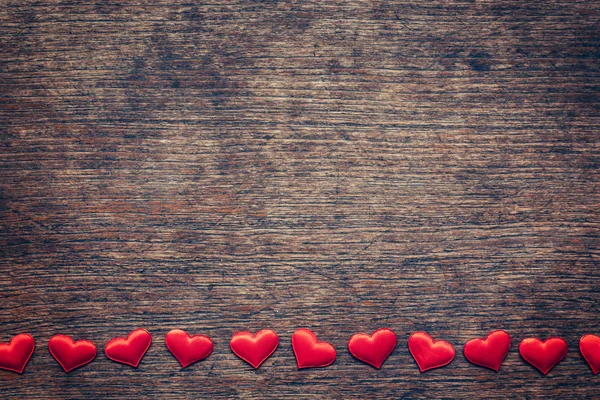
(256, 348)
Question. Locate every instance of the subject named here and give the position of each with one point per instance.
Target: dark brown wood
(341, 166)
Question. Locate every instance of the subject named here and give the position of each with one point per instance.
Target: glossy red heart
(374, 349)
(310, 353)
(188, 349)
(254, 349)
(129, 350)
(589, 346)
(543, 355)
(70, 354)
(488, 352)
(429, 353)
(15, 354)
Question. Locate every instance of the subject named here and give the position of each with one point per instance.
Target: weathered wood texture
(341, 166)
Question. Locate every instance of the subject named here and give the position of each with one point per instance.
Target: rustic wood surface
(341, 166)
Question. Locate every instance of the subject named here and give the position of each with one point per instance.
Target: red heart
(254, 349)
(15, 354)
(429, 353)
(488, 352)
(188, 349)
(311, 353)
(543, 355)
(70, 354)
(130, 350)
(589, 345)
(373, 349)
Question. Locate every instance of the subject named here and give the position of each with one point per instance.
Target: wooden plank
(344, 166)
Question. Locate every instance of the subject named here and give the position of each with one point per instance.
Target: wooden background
(340, 165)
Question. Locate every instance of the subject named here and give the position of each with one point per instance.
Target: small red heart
(374, 349)
(310, 353)
(15, 354)
(543, 355)
(188, 349)
(488, 352)
(429, 353)
(589, 345)
(70, 354)
(254, 349)
(129, 350)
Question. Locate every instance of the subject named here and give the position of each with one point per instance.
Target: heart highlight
(15, 354)
(489, 352)
(188, 349)
(373, 349)
(254, 349)
(129, 350)
(310, 353)
(429, 353)
(71, 354)
(543, 355)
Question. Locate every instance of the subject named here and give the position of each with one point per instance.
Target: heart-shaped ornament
(188, 349)
(71, 354)
(589, 346)
(15, 354)
(429, 353)
(310, 353)
(254, 349)
(129, 350)
(373, 349)
(543, 355)
(488, 352)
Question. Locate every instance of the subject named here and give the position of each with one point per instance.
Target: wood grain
(341, 166)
